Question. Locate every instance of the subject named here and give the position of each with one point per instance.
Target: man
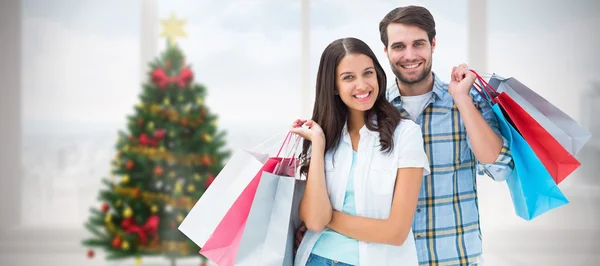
(460, 134)
(461, 138)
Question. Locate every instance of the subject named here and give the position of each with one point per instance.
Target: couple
(391, 174)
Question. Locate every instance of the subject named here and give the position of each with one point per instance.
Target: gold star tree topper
(173, 28)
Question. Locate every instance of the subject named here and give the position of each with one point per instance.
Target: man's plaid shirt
(446, 224)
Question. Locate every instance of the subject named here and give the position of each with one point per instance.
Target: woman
(364, 166)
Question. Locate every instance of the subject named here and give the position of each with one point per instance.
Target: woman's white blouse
(374, 180)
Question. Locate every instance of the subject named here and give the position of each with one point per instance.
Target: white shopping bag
(210, 209)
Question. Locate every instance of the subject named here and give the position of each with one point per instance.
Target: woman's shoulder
(407, 127)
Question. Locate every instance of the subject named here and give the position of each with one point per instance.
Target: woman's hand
(309, 130)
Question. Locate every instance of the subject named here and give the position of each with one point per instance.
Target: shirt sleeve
(503, 166)
(410, 148)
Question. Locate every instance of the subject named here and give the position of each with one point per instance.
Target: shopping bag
(268, 238)
(532, 189)
(210, 209)
(556, 159)
(570, 134)
(222, 246)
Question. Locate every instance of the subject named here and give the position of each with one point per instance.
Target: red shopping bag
(223, 245)
(556, 159)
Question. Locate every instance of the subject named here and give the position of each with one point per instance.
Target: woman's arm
(394, 229)
(315, 207)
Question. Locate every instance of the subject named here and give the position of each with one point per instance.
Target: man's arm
(491, 150)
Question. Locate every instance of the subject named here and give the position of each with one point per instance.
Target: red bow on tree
(148, 229)
(160, 78)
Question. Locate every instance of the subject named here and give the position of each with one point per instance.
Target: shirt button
(418, 236)
(419, 210)
(335, 261)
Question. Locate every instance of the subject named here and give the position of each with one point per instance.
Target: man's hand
(299, 236)
(461, 81)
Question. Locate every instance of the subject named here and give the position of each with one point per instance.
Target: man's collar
(439, 88)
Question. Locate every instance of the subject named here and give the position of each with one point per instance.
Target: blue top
(333, 245)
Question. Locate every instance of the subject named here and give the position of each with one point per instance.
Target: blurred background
(72, 72)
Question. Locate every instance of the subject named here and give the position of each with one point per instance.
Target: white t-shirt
(374, 179)
(414, 105)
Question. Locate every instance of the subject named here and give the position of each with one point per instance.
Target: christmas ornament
(177, 188)
(138, 261)
(136, 192)
(197, 177)
(168, 64)
(127, 213)
(158, 170)
(90, 253)
(179, 218)
(166, 101)
(182, 80)
(140, 122)
(187, 108)
(169, 209)
(209, 180)
(158, 184)
(149, 229)
(154, 209)
(173, 28)
(180, 98)
(161, 148)
(172, 174)
(139, 105)
(207, 138)
(116, 243)
(184, 122)
(172, 133)
(159, 134)
(129, 165)
(125, 245)
(105, 207)
(206, 160)
(125, 179)
(118, 203)
(173, 225)
(191, 188)
(150, 126)
(203, 112)
(214, 123)
(199, 101)
(108, 218)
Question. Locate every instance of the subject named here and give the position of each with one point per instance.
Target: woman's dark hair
(331, 113)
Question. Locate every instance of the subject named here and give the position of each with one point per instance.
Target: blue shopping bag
(532, 189)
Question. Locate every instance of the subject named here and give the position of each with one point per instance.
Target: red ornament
(184, 122)
(149, 229)
(168, 64)
(136, 192)
(203, 112)
(209, 180)
(160, 78)
(159, 134)
(129, 165)
(147, 141)
(90, 253)
(158, 170)
(206, 160)
(105, 207)
(140, 122)
(116, 243)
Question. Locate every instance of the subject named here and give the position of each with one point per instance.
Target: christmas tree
(167, 159)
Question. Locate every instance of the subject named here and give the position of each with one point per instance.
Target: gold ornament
(125, 245)
(207, 138)
(161, 148)
(126, 148)
(108, 218)
(199, 101)
(138, 261)
(125, 179)
(167, 101)
(197, 177)
(139, 105)
(154, 209)
(177, 187)
(150, 126)
(191, 188)
(173, 28)
(187, 109)
(172, 133)
(179, 218)
(172, 174)
(127, 213)
(214, 123)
